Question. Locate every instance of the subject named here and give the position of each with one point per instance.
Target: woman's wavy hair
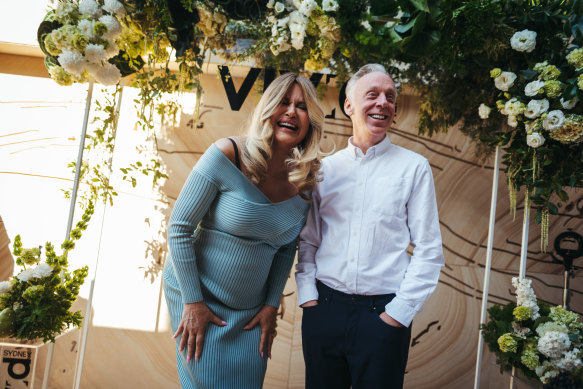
(304, 162)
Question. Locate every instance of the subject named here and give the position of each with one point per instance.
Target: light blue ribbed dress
(231, 247)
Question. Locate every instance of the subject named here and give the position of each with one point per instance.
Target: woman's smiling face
(290, 119)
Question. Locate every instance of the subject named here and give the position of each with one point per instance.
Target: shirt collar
(378, 149)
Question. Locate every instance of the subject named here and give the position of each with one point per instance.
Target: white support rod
(524, 244)
(51, 346)
(488, 264)
(89, 309)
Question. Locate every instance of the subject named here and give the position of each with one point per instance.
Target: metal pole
(87, 319)
(488, 264)
(51, 346)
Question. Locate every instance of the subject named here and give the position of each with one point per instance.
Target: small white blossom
(535, 140)
(307, 7)
(535, 108)
(72, 62)
(112, 50)
(95, 53)
(42, 270)
(86, 28)
(114, 7)
(108, 74)
(366, 25)
(523, 41)
(533, 87)
(570, 361)
(114, 28)
(569, 104)
(329, 6)
(298, 19)
(279, 7)
(25, 275)
(90, 7)
(5, 286)
(484, 111)
(505, 81)
(553, 343)
(512, 122)
(283, 21)
(270, 4)
(513, 107)
(554, 120)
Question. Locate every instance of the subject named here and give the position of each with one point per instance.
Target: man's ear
(348, 107)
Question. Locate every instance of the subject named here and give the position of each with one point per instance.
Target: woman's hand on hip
(192, 327)
(266, 318)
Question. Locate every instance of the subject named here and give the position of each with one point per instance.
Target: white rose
(484, 111)
(569, 104)
(279, 7)
(535, 140)
(533, 88)
(329, 5)
(505, 81)
(554, 120)
(535, 108)
(523, 41)
(5, 286)
(512, 122)
(513, 107)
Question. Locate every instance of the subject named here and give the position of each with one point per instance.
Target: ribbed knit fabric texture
(232, 248)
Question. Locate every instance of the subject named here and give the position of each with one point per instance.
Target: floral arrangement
(82, 40)
(36, 302)
(542, 343)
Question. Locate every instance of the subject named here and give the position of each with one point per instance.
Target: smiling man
(356, 283)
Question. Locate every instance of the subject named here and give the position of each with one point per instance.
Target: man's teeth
(288, 125)
(380, 117)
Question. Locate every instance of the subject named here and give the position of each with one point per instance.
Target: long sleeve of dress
(279, 272)
(193, 203)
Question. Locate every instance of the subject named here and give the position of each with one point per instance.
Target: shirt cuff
(307, 293)
(402, 312)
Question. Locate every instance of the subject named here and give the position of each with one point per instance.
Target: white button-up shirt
(365, 213)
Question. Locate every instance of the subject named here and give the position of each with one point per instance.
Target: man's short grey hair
(363, 71)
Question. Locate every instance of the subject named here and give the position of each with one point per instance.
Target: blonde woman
(233, 236)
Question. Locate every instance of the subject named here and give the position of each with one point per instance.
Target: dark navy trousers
(346, 343)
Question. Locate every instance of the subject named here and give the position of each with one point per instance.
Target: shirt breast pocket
(389, 195)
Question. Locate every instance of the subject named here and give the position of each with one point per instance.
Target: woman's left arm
(267, 315)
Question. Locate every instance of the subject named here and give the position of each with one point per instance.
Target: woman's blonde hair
(304, 162)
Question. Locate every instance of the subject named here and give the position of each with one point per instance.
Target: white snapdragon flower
(108, 74)
(513, 107)
(554, 343)
(72, 62)
(90, 7)
(535, 108)
(505, 81)
(366, 25)
(86, 28)
(512, 122)
(554, 120)
(534, 87)
(5, 286)
(42, 270)
(279, 7)
(95, 53)
(25, 275)
(525, 296)
(484, 111)
(114, 28)
(569, 104)
(329, 6)
(534, 140)
(524, 41)
(114, 7)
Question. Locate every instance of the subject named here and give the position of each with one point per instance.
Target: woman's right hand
(192, 327)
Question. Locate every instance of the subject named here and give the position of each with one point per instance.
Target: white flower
(512, 122)
(108, 74)
(535, 108)
(307, 7)
(329, 6)
(505, 81)
(533, 87)
(270, 4)
(570, 360)
(42, 270)
(366, 25)
(513, 107)
(283, 21)
(274, 30)
(114, 7)
(553, 343)
(569, 104)
(65, 10)
(25, 275)
(525, 296)
(72, 62)
(524, 41)
(484, 111)
(90, 7)
(5, 286)
(297, 18)
(535, 140)
(86, 28)
(114, 28)
(95, 53)
(112, 50)
(279, 7)
(297, 44)
(554, 120)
